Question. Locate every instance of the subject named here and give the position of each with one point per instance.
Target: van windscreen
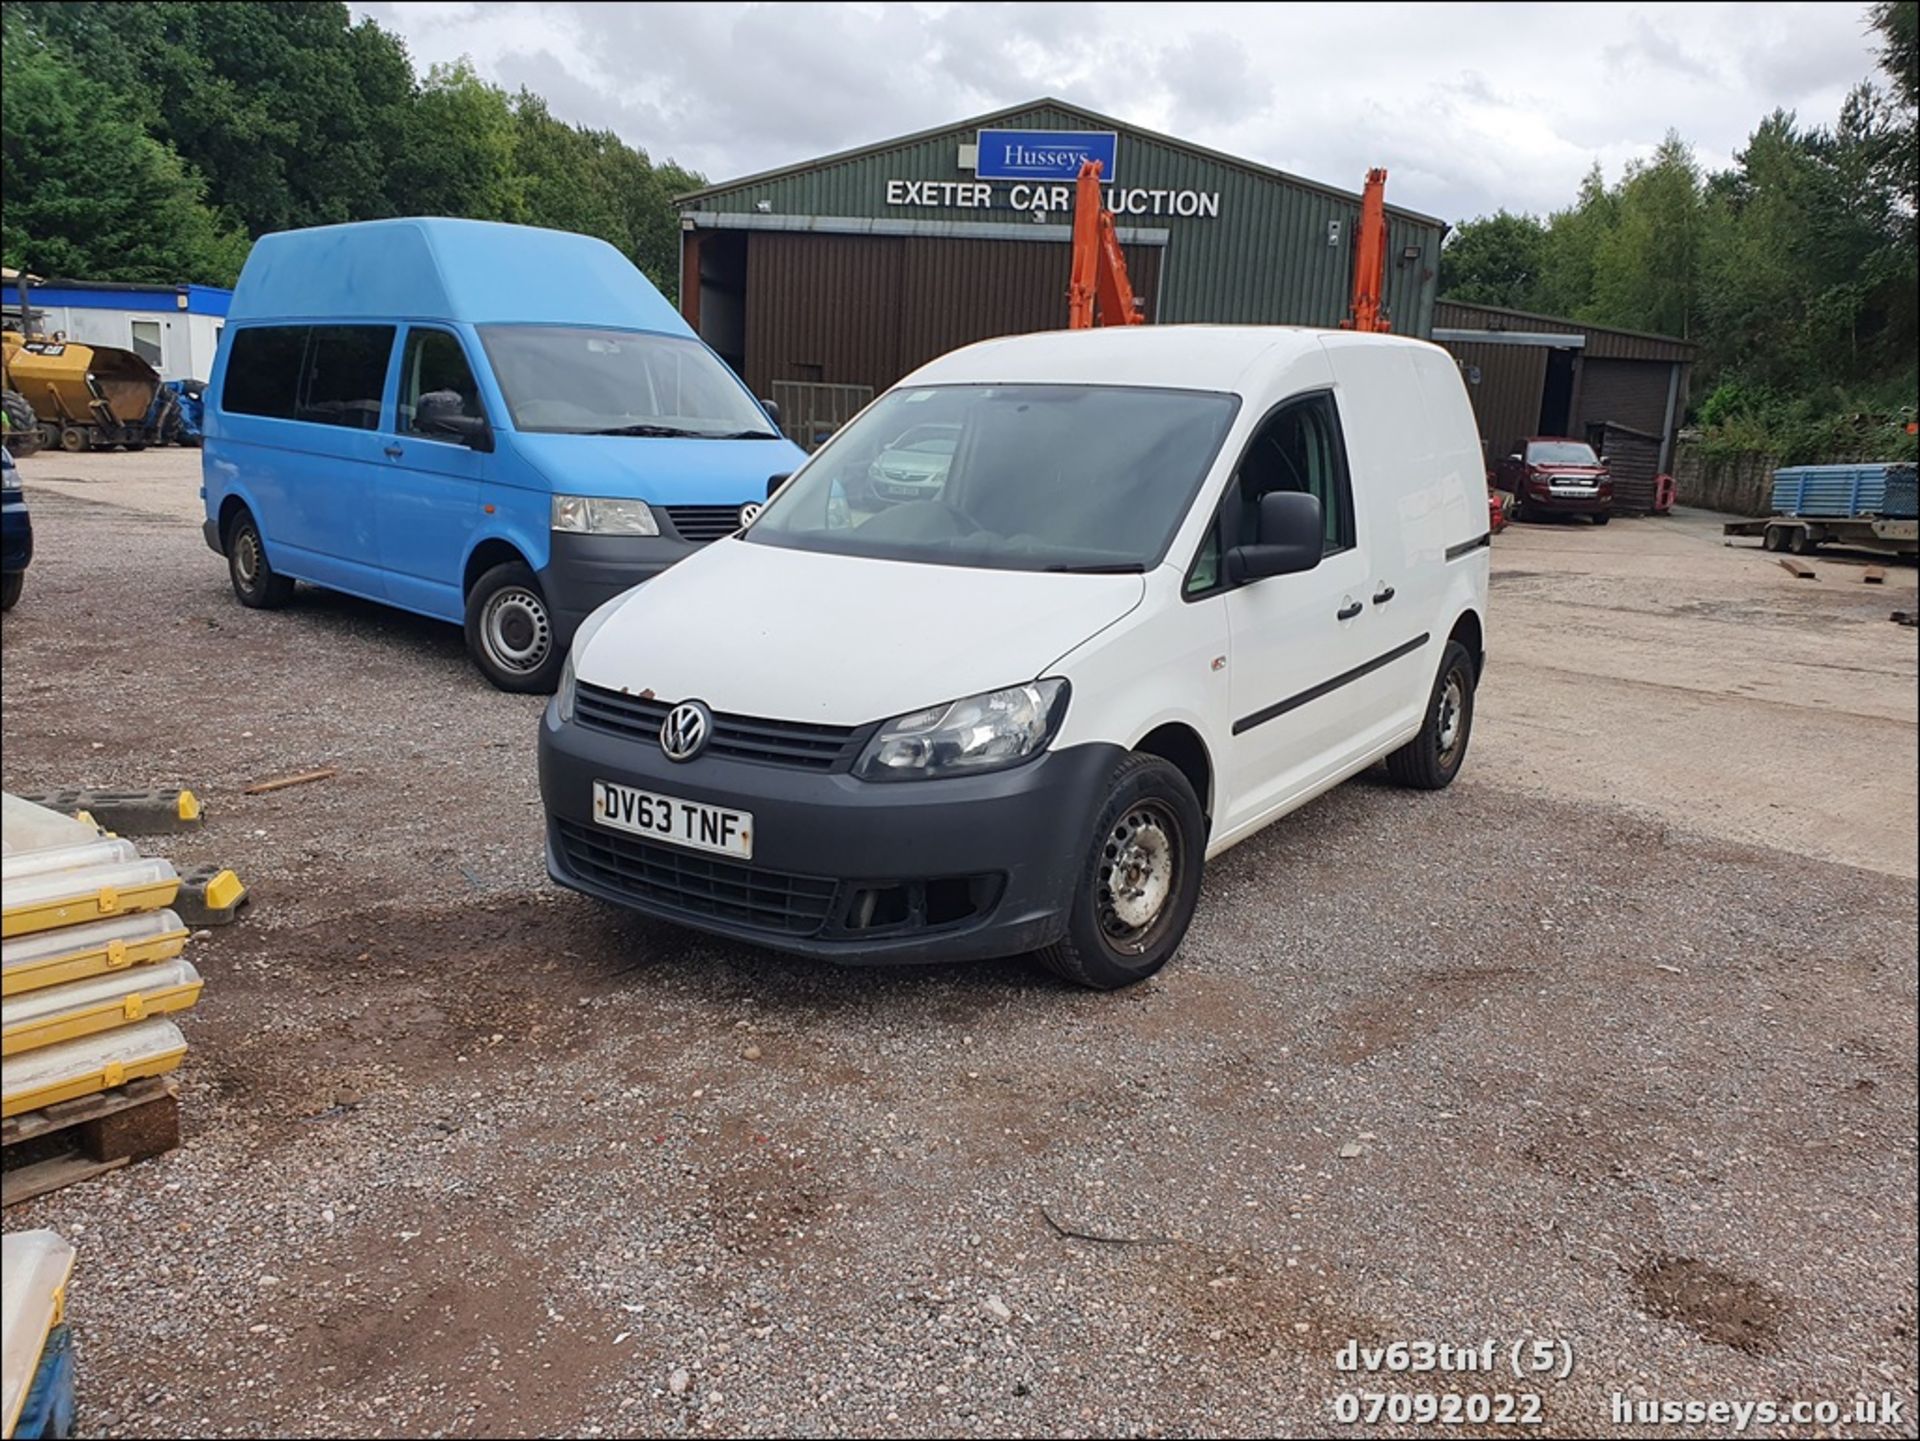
(573, 380)
(1010, 477)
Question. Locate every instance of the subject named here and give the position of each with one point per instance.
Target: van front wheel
(1139, 882)
(510, 633)
(1431, 760)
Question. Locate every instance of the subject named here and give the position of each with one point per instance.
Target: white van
(1171, 583)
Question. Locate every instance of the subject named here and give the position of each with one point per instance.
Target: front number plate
(670, 819)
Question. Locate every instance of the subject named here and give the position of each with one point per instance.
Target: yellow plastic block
(188, 806)
(85, 1008)
(74, 953)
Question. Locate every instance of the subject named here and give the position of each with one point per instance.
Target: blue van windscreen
(581, 381)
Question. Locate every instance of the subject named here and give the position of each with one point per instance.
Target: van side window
(1205, 574)
(1299, 449)
(263, 372)
(435, 381)
(346, 373)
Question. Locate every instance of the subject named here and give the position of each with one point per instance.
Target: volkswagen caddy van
(1171, 583)
(493, 425)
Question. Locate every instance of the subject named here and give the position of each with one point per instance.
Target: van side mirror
(774, 482)
(1292, 539)
(471, 431)
(773, 412)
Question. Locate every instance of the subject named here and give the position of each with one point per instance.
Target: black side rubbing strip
(1468, 547)
(1294, 702)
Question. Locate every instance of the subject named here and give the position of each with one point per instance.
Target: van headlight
(594, 515)
(981, 733)
(563, 693)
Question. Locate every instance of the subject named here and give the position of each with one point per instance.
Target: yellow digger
(62, 392)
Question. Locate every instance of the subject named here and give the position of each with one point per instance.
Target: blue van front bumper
(583, 572)
(859, 872)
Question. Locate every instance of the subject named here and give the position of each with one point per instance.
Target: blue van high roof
(475, 271)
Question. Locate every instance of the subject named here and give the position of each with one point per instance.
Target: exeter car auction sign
(1044, 164)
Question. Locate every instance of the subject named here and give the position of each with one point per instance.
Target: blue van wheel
(510, 632)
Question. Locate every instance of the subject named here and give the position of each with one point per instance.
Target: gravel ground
(1561, 1053)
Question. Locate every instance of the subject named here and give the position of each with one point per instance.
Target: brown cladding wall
(1626, 392)
(919, 297)
(1506, 401)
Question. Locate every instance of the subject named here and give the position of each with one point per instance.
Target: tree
(1495, 260)
(86, 191)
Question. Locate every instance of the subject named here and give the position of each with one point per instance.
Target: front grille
(744, 738)
(696, 886)
(702, 523)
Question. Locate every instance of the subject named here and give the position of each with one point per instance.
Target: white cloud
(1470, 107)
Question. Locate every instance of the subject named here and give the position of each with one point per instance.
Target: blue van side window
(263, 373)
(435, 380)
(346, 372)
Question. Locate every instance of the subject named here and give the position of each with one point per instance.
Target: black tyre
(1431, 760)
(10, 584)
(509, 632)
(1603, 517)
(1801, 542)
(254, 581)
(73, 440)
(1774, 538)
(23, 426)
(1140, 881)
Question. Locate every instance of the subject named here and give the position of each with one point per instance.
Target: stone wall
(1737, 484)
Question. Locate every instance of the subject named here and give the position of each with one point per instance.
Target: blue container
(1880, 488)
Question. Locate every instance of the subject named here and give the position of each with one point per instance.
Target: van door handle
(394, 452)
(1383, 595)
(1349, 612)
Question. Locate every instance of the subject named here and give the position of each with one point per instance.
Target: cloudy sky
(1470, 107)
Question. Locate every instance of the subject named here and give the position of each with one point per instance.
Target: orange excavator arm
(1365, 308)
(1099, 292)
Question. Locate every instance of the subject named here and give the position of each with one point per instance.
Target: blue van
(489, 424)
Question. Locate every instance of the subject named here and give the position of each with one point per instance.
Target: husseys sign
(1042, 166)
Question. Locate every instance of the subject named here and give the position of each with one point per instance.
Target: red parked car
(1555, 475)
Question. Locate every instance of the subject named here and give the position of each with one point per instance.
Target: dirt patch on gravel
(1718, 1306)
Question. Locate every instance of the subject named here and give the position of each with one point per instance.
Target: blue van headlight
(981, 733)
(595, 515)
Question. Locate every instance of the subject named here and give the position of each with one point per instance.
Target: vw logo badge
(749, 511)
(685, 731)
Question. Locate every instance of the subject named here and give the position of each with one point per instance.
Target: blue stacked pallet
(1837, 491)
(47, 1413)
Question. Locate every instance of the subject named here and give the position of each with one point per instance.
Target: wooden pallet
(86, 1137)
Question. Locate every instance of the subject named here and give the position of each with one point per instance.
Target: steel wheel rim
(1139, 874)
(516, 630)
(246, 557)
(1453, 704)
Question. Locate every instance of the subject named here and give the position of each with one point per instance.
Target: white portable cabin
(174, 328)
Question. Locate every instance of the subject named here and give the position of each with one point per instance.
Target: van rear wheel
(1140, 881)
(510, 631)
(255, 583)
(1431, 760)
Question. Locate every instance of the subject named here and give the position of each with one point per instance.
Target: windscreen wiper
(737, 435)
(644, 430)
(1117, 567)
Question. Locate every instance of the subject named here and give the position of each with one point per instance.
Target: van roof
(1181, 357)
(438, 269)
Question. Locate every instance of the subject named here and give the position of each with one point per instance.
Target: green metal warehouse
(827, 281)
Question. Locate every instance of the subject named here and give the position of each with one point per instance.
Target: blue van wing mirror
(774, 482)
(772, 409)
(471, 431)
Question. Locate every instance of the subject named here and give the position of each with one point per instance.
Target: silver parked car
(914, 465)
